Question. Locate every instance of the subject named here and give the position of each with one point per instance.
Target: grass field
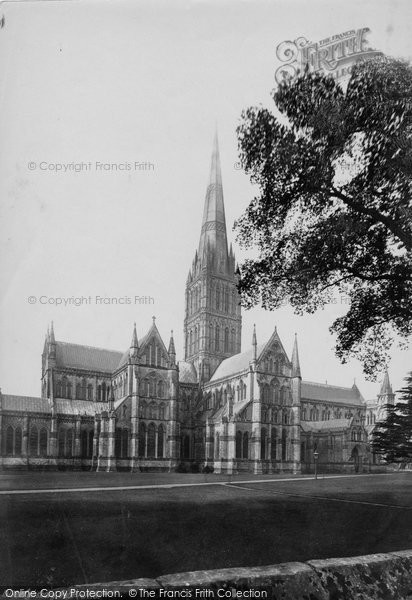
(62, 538)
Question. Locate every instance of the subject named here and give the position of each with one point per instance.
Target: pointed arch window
(284, 447)
(273, 442)
(90, 392)
(160, 441)
(232, 341)
(18, 440)
(263, 444)
(10, 440)
(226, 301)
(160, 389)
(43, 442)
(227, 339)
(34, 442)
(217, 298)
(142, 440)
(69, 443)
(210, 336)
(59, 389)
(217, 338)
(151, 441)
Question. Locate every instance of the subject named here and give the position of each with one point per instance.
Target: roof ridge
(90, 347)
(340, 387)
(23, 396)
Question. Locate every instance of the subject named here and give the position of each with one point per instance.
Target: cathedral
(220, 409)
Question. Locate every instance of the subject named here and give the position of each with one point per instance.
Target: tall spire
(295, 359)
(386, 388)
(214, 221)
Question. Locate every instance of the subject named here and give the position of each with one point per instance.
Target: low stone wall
(372, 577)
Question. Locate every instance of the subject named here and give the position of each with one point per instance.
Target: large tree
(392, 438)
(333, 214)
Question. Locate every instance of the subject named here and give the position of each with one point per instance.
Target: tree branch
(375, 214)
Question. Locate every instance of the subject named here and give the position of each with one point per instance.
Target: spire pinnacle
(171, 350)
(52, 338)
(386, 388)
(295, 359)
(254, 342)
(214, 221)
(134, 343)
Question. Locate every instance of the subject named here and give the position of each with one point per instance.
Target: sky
(95, 84)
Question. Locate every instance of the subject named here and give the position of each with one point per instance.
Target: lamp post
(315, 458)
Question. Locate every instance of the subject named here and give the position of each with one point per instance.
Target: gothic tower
(213, 321)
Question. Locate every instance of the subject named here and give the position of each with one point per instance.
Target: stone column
(53, 442)
(174, 438)
(134, 433)
(231, 446)
(156, 440)
(77, 446)
(25, 437)
(96, 433)
(208, 445)
(111, 458)
(102, 446)
(255, 440)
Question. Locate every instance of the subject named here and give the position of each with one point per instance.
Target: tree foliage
(392, 438)
(333, 211)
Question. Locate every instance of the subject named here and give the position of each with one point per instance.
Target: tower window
(227, 339)
(217, 338)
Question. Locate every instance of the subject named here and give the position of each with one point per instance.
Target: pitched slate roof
(87, 357)
(25, 404)
(331, 425)
(236, 364)
(331, 393)
(187, 372)
(79, 407)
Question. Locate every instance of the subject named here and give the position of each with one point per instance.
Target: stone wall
(372, 577)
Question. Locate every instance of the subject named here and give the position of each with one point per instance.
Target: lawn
(89, 536)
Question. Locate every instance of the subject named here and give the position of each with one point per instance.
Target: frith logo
(334, 56)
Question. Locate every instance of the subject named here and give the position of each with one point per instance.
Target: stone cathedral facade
(219, 408)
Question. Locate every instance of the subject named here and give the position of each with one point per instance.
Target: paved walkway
(212, 480)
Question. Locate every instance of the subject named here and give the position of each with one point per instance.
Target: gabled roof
(236, 364)
(187, 372)
(86, 357)
(331, 425)
(331, 393)
(25, 404)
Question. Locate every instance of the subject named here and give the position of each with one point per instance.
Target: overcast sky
(125, 82)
